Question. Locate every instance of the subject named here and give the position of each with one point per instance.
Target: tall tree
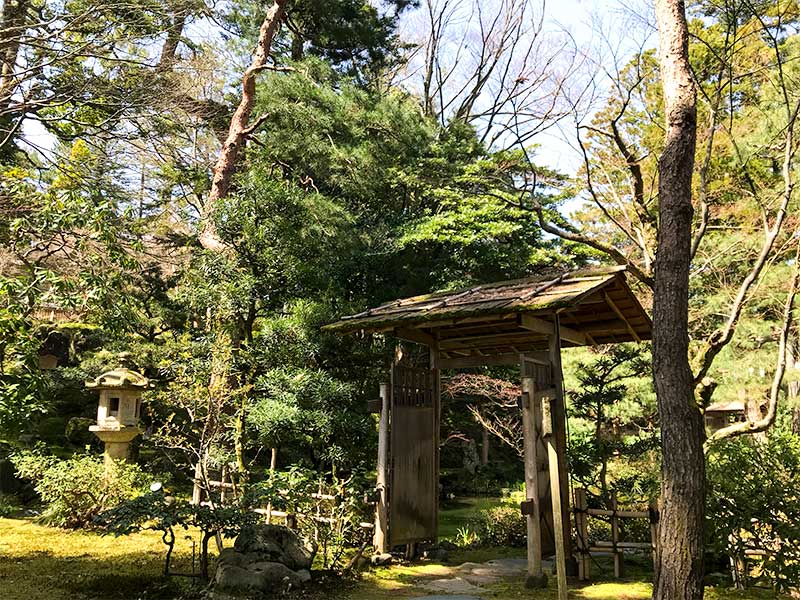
(679, 565)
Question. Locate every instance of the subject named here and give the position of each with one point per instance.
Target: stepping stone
(456, 585)
(510, 564)
(448, 597)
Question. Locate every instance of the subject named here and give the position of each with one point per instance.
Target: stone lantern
(118, 410)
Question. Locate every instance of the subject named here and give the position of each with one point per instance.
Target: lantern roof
(119, 378)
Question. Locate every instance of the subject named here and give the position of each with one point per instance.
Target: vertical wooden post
(484, 446)
(380, 538)
(196, 489)
(559, 424)
(273, 462)
(437, 415)
(582, 525)
(222, 480)
(654, 517)
(555, 492)
(529, 433)
(615, 536)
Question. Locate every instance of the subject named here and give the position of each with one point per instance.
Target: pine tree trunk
(225, 168)
(679, 566)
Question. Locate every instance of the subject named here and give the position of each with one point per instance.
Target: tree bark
(679, 566)
(12, 28)
(238, 130)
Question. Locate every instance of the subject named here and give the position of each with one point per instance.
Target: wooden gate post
(555, 491)
(380, 538)
(532, 505)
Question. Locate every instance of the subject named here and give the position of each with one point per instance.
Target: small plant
(77, 489)
(466, 538)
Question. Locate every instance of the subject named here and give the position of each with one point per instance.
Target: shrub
(753, 503)
(9, 504)
(297, 491)
(159, 512)
(501, 526)
(77, 489)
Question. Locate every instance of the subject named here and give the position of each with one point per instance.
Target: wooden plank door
(414, 441)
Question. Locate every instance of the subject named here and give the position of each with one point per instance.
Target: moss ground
(42, 563)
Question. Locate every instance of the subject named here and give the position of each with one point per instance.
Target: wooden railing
(615, 546)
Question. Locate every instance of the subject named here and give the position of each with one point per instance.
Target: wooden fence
(226, 487)
(615, 545)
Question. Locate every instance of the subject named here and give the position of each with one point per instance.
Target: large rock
(273, 543)
(255, 577)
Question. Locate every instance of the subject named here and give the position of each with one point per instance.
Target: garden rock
(264, 558)
(256, 577)
(381, 560)
(274, 543)
(436, 553)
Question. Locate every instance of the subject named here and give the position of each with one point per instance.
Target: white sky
(587, 21)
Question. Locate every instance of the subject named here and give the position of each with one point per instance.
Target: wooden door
(414, 435)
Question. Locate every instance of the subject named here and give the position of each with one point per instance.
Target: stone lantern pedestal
(117, 442)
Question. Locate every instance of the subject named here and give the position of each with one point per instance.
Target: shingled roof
(595, 306)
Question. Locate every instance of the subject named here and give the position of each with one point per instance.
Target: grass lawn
(43, 563)
(460, 512)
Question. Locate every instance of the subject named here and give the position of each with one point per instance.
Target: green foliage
(613, 435)
(158, 512)
(302, 492)
(501, 526)
(75, 490)
(310, 408)
(9, 505)
(753, 503)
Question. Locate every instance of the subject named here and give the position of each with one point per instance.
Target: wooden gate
(414, 488)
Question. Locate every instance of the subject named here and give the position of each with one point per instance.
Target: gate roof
(595, 306)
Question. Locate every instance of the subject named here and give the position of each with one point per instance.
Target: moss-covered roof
(596, 306)
(119, 378)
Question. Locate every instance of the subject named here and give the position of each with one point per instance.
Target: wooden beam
(462, 320)
(557, 459)
(540, 325)
(415, 335)
(465, 362)
(613, 306)
(494, 341)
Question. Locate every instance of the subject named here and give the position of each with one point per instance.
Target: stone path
(464, 582)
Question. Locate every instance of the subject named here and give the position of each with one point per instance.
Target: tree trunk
(794, 392)
(225, 167)
(679, 566)
(12, 28)
(484, 446)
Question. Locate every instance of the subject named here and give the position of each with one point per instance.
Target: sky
(587, 22)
